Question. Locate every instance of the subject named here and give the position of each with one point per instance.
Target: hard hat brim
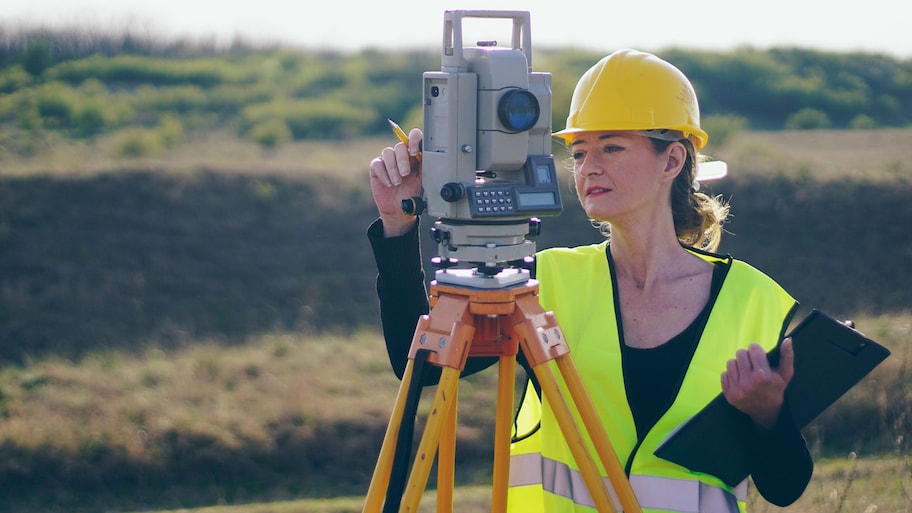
(566, 135)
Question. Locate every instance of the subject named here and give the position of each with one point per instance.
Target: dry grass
(871, 485)
(161, 415)
(284, 415)
(233, 395)
(223, 151)
(852, 484)
(875, 156)
(245, 397)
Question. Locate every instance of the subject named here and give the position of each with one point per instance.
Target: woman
(657, 324)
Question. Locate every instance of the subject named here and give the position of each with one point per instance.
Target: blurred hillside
(125, 258)
(86, 85)
(189, 336)
(122, 222)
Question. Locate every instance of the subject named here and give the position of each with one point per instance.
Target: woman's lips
(594, 191)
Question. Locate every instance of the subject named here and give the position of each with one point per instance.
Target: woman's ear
(676, 155)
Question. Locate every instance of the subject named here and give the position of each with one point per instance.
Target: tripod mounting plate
(474, 279)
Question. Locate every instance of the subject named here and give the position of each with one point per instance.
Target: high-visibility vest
(576, 284)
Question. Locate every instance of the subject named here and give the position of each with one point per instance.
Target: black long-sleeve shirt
(781, 463)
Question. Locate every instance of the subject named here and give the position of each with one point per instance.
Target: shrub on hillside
(57, 104)
(170, 130)
(177, 99)
(270, 133)
(312, 118)
(137, 143)
(13, 78)
(29, 119)
(134, 69)
(91, 119)
(862, 122)
(230, 99)
(808, 119)
(38, 56)
(86, 110)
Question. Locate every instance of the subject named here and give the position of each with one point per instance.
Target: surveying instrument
(487, 173)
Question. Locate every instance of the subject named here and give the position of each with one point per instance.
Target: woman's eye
(612, 148)
(578, 155)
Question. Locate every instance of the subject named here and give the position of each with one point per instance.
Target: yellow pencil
(400, 133)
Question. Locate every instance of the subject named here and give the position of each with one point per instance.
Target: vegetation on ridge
(87, 85)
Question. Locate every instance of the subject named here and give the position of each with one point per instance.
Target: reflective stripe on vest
(652, 492)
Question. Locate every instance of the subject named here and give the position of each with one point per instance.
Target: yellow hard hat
(632, 90)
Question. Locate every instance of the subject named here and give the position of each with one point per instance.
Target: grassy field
(840, 486)
(199, 329)
(258, 426)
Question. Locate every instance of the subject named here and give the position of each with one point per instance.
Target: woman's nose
(589, 166)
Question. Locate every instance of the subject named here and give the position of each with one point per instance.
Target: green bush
(312, 118)
(93, 88)
(808, 119)
(29, 119)
(57, 104)
(270, 133)
(134, 69)
(327, 120)
(178, 99)
(862, 122)
(230, 99)
(18, 106)
(170, 130)
(91, 119)
(137, 143)
(13, 78)
(38, 56)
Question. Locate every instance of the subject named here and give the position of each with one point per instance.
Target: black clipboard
(830, 358)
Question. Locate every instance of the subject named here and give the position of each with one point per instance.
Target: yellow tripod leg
(502, 433)
(443, 405)
(373, 503)
(574, 438)
(446, 461)
(603, 447)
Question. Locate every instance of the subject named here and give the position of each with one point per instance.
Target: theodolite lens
(518, 110)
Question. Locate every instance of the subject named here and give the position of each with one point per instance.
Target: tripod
(467, 321)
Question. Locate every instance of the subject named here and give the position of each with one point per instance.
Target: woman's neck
(651, 257)
(657, 280)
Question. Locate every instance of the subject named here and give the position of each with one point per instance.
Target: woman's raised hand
(395, 175)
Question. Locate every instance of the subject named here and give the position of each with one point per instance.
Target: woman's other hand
(754, 387)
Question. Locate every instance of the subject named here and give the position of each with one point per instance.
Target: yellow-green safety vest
(576, 284)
